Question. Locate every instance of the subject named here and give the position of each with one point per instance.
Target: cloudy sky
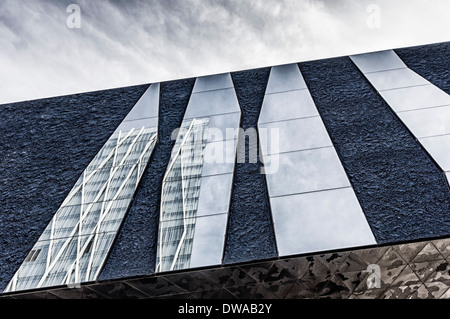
(47, 50)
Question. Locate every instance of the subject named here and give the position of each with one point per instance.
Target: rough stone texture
(419, 270)
(45, 145)
(430, 61)
(402, 192)
(134, 251)
(250, 234)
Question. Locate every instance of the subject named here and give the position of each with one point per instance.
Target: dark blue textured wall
(402, 192)
(134, 252)
(250, 234)
(44, 146)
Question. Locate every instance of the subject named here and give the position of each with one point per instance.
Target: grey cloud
(130, 42)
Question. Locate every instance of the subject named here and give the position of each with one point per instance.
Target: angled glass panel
(305, 171)
(113, 182)
(120, 150)
(394, 79)
(438, 147)
(213, 82)
(377, 61)
(76, 242)
(219, 157)
(285, 77)
(101, 215)
(141, 110)
(287, 106)
(82, 258)
(212, 103)
(133, 124)
(215, 194)
(209, 240)
(174, 248)
(32, 269)
(416, 97)
(311, 129)
(427, 122)
(223, 126)
(319, 221)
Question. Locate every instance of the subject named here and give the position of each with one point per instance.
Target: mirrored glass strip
(302, 222)
(197, 183)
(438, 147)
(284, 78)
(296, 104)
(212, 103)
(141, 110)
(147, 122)
(219, 157)
(378, 61)
(74, 245)
(311, 126)
(422, 107)
(305, 171)
(208, 240)
(438, 120)
(214, 194)
(397, 78)
(213, 82)
(309, 191)
(415, 97)
(180, 196)
(223, 126)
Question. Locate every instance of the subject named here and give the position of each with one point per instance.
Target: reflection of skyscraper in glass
(196, 189)
(75, 244)
(179, 199)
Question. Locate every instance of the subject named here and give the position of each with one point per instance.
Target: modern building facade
(319, 179)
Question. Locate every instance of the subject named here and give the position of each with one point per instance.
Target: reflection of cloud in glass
(313, 204)
(318, 221)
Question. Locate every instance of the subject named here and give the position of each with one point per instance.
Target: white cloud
(123, 43)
